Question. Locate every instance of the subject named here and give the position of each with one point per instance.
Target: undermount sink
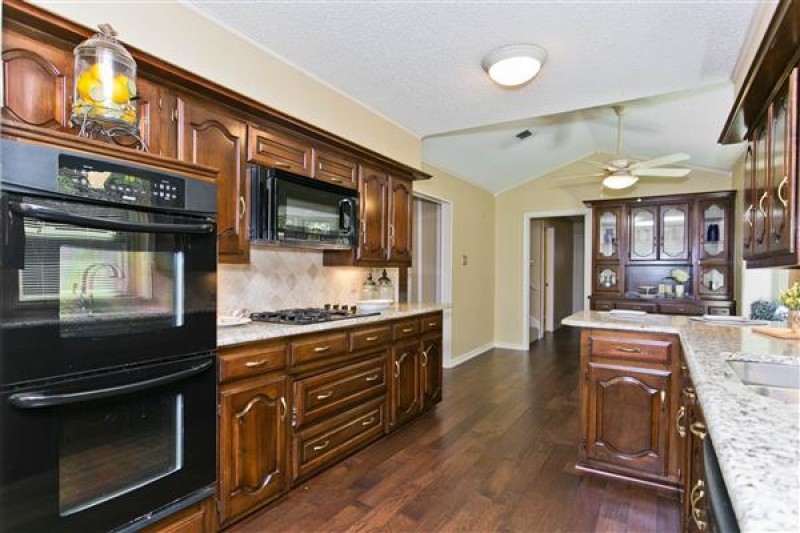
(772, 380)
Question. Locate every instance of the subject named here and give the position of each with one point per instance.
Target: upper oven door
(311, 214)
(88, 286)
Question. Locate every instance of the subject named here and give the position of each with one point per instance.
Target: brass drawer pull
(690, 394)
(682, 366)
(627, 349)
(698, 429)
(254, 364)
(241, 207)
(282, 164)
(407, 330)
(335, 180)
(368, 421)
(432, 324)
(679, 427)
(284, 409)
(373, 377)
(372, 338)
(321, 446)
(324, 395)
(320, 349)
(425, 357)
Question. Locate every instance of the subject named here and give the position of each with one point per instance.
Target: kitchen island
(755, 438)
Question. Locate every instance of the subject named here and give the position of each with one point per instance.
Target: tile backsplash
(280, 278)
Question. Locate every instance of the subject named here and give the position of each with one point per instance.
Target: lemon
(120, 92)
(85, 83)
(96, 92)
(94, 71)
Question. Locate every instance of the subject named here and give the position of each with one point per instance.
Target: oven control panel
(110, 182)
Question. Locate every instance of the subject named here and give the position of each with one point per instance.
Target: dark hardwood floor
(496, 455)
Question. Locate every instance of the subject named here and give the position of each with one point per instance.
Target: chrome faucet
(87, 278)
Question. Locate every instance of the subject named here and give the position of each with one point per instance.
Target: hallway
(496, 455)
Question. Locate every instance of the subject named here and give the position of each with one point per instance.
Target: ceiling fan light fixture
(619, 180)
(514, 64)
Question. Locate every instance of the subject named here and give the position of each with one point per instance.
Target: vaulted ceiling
(418, 64)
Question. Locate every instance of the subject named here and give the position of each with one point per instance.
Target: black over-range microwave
(293, 210)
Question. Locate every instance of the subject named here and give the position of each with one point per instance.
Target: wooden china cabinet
(640, 241)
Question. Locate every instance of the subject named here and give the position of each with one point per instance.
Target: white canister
(679, 291)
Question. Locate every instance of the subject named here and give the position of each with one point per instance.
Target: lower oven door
(95, 453)
(88, 286)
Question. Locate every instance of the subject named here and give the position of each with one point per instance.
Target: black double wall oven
(107, 342)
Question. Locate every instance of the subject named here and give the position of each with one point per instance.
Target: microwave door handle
(31, 400)
(350, 211)
(49, 214)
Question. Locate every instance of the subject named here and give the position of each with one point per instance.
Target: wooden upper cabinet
(628, 420)
(782, 169)
(760, 190)
(37, 82)
(253, 435)
(643, 240)
(374, 194)
(401, 205)
(673, 232)
(336, 168)
(213, 137)
(607, 232)
(279, 149)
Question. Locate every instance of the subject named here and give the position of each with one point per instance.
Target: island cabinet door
(628, 417)
(253, 434)
(431, 371)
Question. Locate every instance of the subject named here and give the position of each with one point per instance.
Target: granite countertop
(756, 439)
(259, 331)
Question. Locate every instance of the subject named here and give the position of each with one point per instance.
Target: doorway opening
(556, 270)
(430, 277)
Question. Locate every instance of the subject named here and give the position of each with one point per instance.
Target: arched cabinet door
(253, 431)
(431, 371)
(400, 219)
(212, 137)
(628, 416)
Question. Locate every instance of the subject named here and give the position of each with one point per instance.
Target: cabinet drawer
(407, 328)
(337, 169)
(362, 339)
(636, 306)
(723, 311)
(329, 392)
(431, 323)
(680, 308)
(250, 360)
(327, 442)
(602, 305)
(634, 346)
(277, 149)
(305, 350)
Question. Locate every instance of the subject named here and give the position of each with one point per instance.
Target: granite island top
(259, 331)
(756, 439)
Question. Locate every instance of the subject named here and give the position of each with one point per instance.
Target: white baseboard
(464, 357)
(510, 346)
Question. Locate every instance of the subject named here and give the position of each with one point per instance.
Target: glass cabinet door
(643, 234)
(608, 222)
(607, 278)
(761, 193)
(714, 222)
(749, 203)
(674, 232)
(714, 280)
(782, 170)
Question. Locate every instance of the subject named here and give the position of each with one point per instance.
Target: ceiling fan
(622, 172)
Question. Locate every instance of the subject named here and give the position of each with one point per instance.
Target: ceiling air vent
(524, 134)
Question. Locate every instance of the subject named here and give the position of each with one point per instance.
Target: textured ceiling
(493, 158)
(417, 62)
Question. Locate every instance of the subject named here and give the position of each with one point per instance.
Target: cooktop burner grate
(310, 315)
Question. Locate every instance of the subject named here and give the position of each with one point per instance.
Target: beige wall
(178, 34)
(473, 236)
(543, 194)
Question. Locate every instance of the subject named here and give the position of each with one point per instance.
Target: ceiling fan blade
(661, 172)
(578, 177)
(660, 161)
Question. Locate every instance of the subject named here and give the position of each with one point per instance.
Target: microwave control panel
(110, 182)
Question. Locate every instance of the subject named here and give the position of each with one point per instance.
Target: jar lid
(107, 39)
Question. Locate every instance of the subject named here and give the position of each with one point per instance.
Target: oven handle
(49, 214)
(30, 400)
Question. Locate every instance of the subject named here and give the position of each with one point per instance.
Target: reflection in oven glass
(110, 450)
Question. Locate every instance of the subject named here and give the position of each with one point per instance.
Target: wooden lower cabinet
(406, 393)
(628, 406)
(197, 518)
(432, 371)
(253, 431)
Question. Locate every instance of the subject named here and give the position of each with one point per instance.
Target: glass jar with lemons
(105, 84)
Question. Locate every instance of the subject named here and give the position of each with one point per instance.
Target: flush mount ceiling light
(514, 64)
(620, 180)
